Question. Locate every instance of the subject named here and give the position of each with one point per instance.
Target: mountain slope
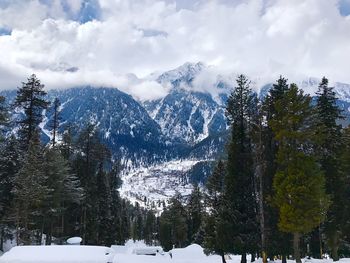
(166, 143)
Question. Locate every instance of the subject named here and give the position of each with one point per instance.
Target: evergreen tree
(165, 230)
(274, 242)
(55, 121)
(92, 155)
(329, 142)
(240, 213)
(195, 212)
(10, 163)
(299, 182)
(64, 188)
(150, 227)
(345, 170)
(137, 233)
(30, 191)
(116, 204)
(67, 145)
(30, 98)
(3, 117)
(124, 227)
(213, 242)
(173, 227)
(106, 235)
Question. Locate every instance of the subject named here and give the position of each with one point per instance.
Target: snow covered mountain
(186, 114)
(167, 143)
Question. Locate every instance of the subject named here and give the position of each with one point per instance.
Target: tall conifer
(30, 98)
(299, 182)
(240, 213)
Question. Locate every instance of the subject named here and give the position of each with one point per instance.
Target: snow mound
(192, 251)
(74, 240)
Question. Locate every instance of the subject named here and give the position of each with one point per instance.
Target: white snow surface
(58, 254)
(86, 254)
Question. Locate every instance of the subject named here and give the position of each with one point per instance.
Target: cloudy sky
(99, 42)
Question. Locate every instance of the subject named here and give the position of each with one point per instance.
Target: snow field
(122, 254)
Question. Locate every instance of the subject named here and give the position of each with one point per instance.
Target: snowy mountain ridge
(164, 144)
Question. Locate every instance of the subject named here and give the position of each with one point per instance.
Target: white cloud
(261, 38)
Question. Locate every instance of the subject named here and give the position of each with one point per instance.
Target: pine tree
(195, 212)
(329, 142)
(106, 234)
(213, 242)
(240, 213)
(10, 163)
(92, 154)
(274, 242)
(64, 189)
(150, 227)
(30, 192)
(165, 230)
(299, 182)
(137, 227)
(3, 160)
(116, 203)
(30, 98)
(345, 170)
(55, 121)
(3, 117)
(67, 145)
(173, 227)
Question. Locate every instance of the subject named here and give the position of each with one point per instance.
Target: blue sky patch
(5, 31)
(344, 7)
(90, 10)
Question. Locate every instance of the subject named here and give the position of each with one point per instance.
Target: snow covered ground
(93, 254)
(58, 254)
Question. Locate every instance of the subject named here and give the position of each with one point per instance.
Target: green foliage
(329, 143)
(275, 241)
(30, 190)
(240, 214)
(3, 116)
(299, 184)
(30, 98)
(195, 213)
(150, 228)
(173, 227)
(300, 195)
(55, 122)
(64, 189)
(213, 243)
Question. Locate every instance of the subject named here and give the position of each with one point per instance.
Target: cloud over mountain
(71, 43)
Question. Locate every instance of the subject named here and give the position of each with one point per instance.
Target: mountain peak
(185, 73)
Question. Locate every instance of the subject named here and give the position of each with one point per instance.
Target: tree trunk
(244, 258)
(259, 171)
(335, 246)
(335, 255)
(2, 239)
(284, 258)
(40, 237)
(84, 225)
(296, 239)
(223, 258)
(320, 239)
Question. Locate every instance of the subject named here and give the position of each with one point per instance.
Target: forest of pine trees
(281, 190)
(61, 189)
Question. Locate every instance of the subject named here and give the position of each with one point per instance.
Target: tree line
(64, 189)
(283, 188)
